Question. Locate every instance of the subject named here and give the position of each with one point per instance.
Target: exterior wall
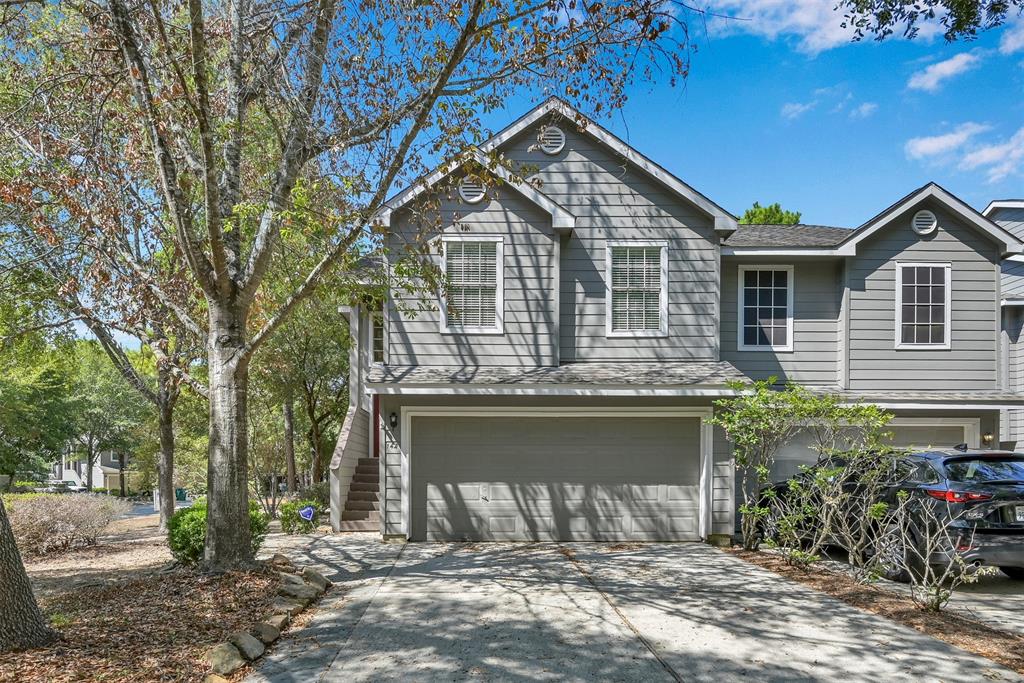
(972, 362)
(1013, 331)
(530, 334)
(723, 500)
(817, 299)
(612, 199)
(1010, 219)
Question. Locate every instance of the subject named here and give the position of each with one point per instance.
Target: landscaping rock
(225, 659)
(249, 646)
(279, 560)
(278, 621)
(300, 591)
(265, 632)
(288, 606)
(316, 578)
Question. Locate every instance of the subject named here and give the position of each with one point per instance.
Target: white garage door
(555, 478)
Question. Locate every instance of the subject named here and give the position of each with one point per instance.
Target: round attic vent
(924, 222)
(552, 139)
(471, 190)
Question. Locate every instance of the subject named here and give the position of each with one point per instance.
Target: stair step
(359, 525)
(368, 469)
(363, 462)
(362, 505)
(364, 486)
(365, 478)
(371, 515)
(363, 495)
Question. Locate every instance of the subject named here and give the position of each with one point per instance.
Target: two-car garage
(553, 475)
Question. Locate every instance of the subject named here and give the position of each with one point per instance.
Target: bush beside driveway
(634, 612)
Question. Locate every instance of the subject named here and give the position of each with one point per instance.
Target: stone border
(298, 590)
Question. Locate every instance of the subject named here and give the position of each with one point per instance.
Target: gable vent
(471, 190)
(551, 139)
(924, 222)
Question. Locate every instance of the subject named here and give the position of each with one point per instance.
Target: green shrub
(52, 522)
(100, 490)
(292, 523)
(24, 485)
(186, 531)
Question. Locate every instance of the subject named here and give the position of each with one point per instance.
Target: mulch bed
(156, 627)
(1001, 647)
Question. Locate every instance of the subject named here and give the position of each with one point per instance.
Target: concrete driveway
(524, 612)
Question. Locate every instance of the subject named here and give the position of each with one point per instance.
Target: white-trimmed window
(637, 289)
(922, 305)
(377, 334)
(474, 284)
(765, 308)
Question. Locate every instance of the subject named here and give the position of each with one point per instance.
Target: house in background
(595, 310)
(106, 472)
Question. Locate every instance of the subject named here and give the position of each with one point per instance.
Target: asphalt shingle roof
(800, 235)
(607, 374)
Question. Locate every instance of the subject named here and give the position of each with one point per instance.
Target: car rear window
(986, 469)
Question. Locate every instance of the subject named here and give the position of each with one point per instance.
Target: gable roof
(997, 204)
(795, 236)
(561, 218)
(807, 240)
(724, 221)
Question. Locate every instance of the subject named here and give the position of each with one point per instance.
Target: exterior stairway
(362, 508)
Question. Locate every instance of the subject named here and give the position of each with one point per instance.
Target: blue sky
(782, 106)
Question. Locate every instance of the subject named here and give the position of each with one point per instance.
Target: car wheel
(1015, 573)
(890, 556)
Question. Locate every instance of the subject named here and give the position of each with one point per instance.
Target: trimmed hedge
(186, 531)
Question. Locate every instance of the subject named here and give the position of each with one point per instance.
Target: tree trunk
(228, 544)
(289, 444)
(120, 472)
(166, 397)
(90, 458)
(21, 623)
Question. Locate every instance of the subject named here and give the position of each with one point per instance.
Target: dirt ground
(999, 646)
(125, 613)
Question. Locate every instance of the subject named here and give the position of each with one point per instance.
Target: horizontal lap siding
(613, 200)
(1014, 326)
(723, 505)
(817, 298)
(529, 339)
(970, 363)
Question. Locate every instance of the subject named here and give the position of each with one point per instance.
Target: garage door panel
(554, 478)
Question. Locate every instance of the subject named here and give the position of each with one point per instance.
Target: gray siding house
(594, 308)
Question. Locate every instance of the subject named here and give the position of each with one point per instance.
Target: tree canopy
(773, 214)
(960, 19)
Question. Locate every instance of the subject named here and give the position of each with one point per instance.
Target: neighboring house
(594, 312)
(106, 472)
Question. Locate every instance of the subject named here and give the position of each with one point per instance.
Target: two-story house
(593, 311)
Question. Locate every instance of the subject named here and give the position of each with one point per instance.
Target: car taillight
(958, 496)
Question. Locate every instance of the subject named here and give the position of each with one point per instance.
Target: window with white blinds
(638, 287)
(473, 277)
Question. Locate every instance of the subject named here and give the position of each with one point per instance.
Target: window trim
(790, 288)
(383, 326)
(499, 285)
(900, 345)
(662, 330)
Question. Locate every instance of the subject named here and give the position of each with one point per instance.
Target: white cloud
(999, 160)
(863, 110)
(816, 23)
(792, 110)
(934, 145)
(1012, 39)
(932, 76)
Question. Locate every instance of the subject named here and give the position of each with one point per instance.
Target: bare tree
(208, 131)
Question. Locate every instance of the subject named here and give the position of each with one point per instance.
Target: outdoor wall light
(393, 420)
(987, 438)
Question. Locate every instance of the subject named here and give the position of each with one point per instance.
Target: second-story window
(765, 307)
(377, 334)
(922, 305)
(637, 289)
(473, 285)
